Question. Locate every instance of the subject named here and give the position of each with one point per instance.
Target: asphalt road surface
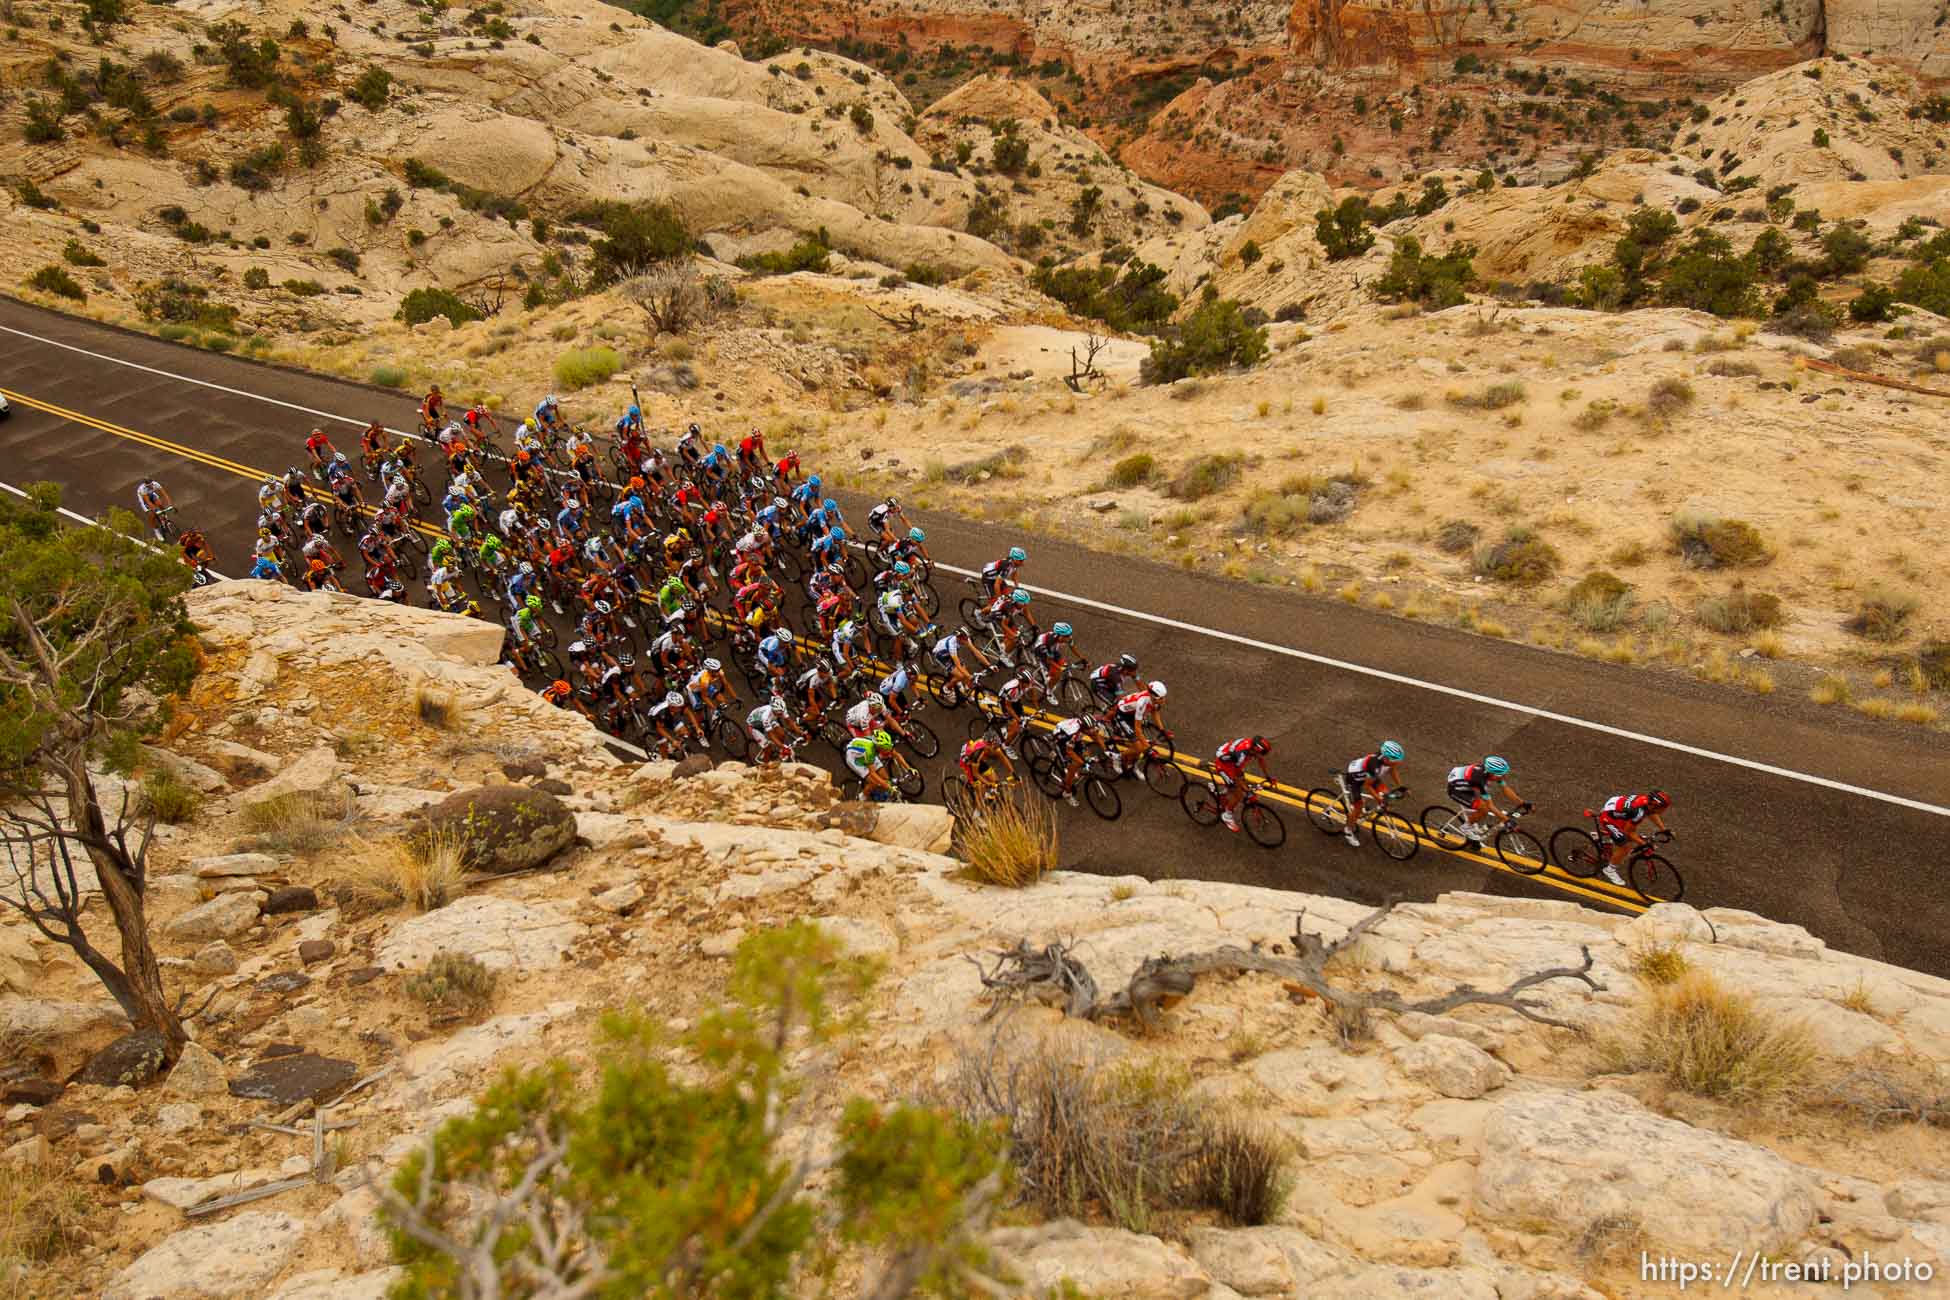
(1797, 812)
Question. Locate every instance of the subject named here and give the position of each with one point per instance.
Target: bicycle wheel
(1034, 745)
(969, 611)
(910, 782)
(1166, 778)
(930, 599)
(1047, 779)
(1395, 834)
(1575, 851)
(945, 689)
(1264, 827)
(1440, 824)
(1073, 695)
(1655, 879)
(1521, 851)
(421, 492)
(1102, 797)
(834, 733)
(731, 734)
(1200, 802)
(404, 562)
(1325, 810)
(921, 739)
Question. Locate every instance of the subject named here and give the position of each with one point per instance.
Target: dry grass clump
(1660, 963)
(1206, 475)
(300, 822)
(423, 872)
(1706, 542)
(1933, 666)
(1833, 688)
(434, 707)
(582, 367)
(1133, 470)
(1668, 398)
(41, 1214)
(1716, 1042)
(1008, 841)
(1522, 558)
(1893, 1090)
(1457, 536)
(1120, 1141)
(1595, 415)
(1881, 615)
(454, 983)
(1740, 611)
(1732, 369)
(1613, 1241)
(1493, 398)
(168, 799)
(1600, 602)
(1006, 463)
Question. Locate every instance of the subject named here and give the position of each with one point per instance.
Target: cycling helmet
(712, 665)
(636, 413)
(1659, 800)
(916, 535)
(549, 400)
(674, 700)
(365, 539)
(524, 457)
(901, 568)
(626, 660)
(892, 503)
(529, 424)
(778, 503)
(1261, 745)
(532, 604)
(528, 568)
(1157, 690)
(1392, 751)
(1017, 554)
(1020, 596)
(694, 554)
(603, 607)
(875, 700)
(830, 506)
(316, 565)
(1062, 629)
(1496, 766)
(294, 475)
(836, 570)
(1127, 662)
(694, 430)
(785, 636)
(882, 739)
(338, 458)
(777, 701)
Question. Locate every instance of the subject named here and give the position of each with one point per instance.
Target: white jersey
(861, 717)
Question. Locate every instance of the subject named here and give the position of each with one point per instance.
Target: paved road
(1863, 872)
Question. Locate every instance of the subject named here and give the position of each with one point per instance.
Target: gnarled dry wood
(1053, 976)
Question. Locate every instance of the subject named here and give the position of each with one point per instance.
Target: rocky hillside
(1475, 1153)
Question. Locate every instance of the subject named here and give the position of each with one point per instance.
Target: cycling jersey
(1469, 783)
(862, 754)
(815, 678)
(149, 495)
(878, 515)
(703, 685)
(1138, 706)
(946, 649)
(1050, 647)
(1369, 768)
(765, 718)
(1627, 809)
(266, 567)
(1234, 754)
(894, 684)
(862, 718)
(773, 652)
(974, 755)
(317, 444)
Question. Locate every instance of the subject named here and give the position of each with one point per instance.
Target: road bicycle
(906, 779)
(162, 523)
(1096, 779)
(1448, 827)
(532, 659)
(1581, 851)
(1262, 825)
(1327, 809)
(1157, 765)
(728, 730)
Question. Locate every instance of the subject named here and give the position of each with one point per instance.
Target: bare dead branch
(908, 323)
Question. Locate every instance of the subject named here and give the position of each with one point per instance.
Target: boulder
(461, 639)
(313, 951)
(331, 1284)
(691, 765)
(525, 768)
(196, 1073)
(1269, 1260)
(48, 1022)
(503, 828)
(1665, 923)
(291, 898)
(1451, 1066)
(178, 1117)
(214, 958)
(287, 1080)
(220, 918)
(240, 762)
(1574, 1158)
(922, 826)
(27, 1089)
(1919, 1198)
(186, 770)
(234, 864)
(316, 772)
(131, 1060)
(620, 899)
(1105, 1262)
(499, 932)
(237, 1257)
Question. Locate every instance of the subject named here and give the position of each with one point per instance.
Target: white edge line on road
(66, 513)
(1381, 674)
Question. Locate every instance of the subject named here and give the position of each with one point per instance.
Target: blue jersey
(773, 651)
(266, 567)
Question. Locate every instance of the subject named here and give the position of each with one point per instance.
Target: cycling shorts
(1466, 795)
(1615, 830)
(1228, 770)
(857, 765)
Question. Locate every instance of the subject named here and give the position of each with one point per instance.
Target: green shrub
(302, 288)
(806, 255)
(1132, 299)
(371, 89)
(389, 377)
(1009, 152)
(77, 254)
(31, 196)
(216, 342)
(346, 258)
(1599, 602)
(1707, 542)
(1669, 396)
(1413, 276)
(1926, 286)
(43, 125)
(174, 333)
(1521, 558)
(424, 304)
(1249, 253)
(1214, 337)
(581, 367)
(168, 799)
(1205, 475)
(1740, 611)
(1133, 470)
(1845, 251)
(1881, 615)
(1343, 231)
(257, 278)
(636, 237)
(453, 982)
(1706, 276)
(423, 176)
(862, 118)
(55, 280)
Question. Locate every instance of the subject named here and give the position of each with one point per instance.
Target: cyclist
(1009, 700)
(267, 567)
(476, 414)
(771, 725)
(1474, 787)
(946, 654)
(548, 414)
(153, 499)
(462, 522)
(1374, 775)
(868, 715)
(344, 484)
(690, 447)
(1107, 681)
(433, 409)
(1618, 824)
(999, 576)
(806, 496)
(1229, 766)
(775, 655)
(1002, 617)
(314, 519)
(672, 720)
(372, 447)
(751, 453)
(1128, 717)
(563, 696)
(318, 577)
(786, 471)
(196, 551)
(319, 447)
(863, 755)
(375, 552)
(707, 683)
(319, 547)
(294, 487)
(883, 517)
(1053, 649)
(443, 586)
(527, 622)
(1075, 740)
(977, 763)
(849, 641)
(818, 688)
(895, 613)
